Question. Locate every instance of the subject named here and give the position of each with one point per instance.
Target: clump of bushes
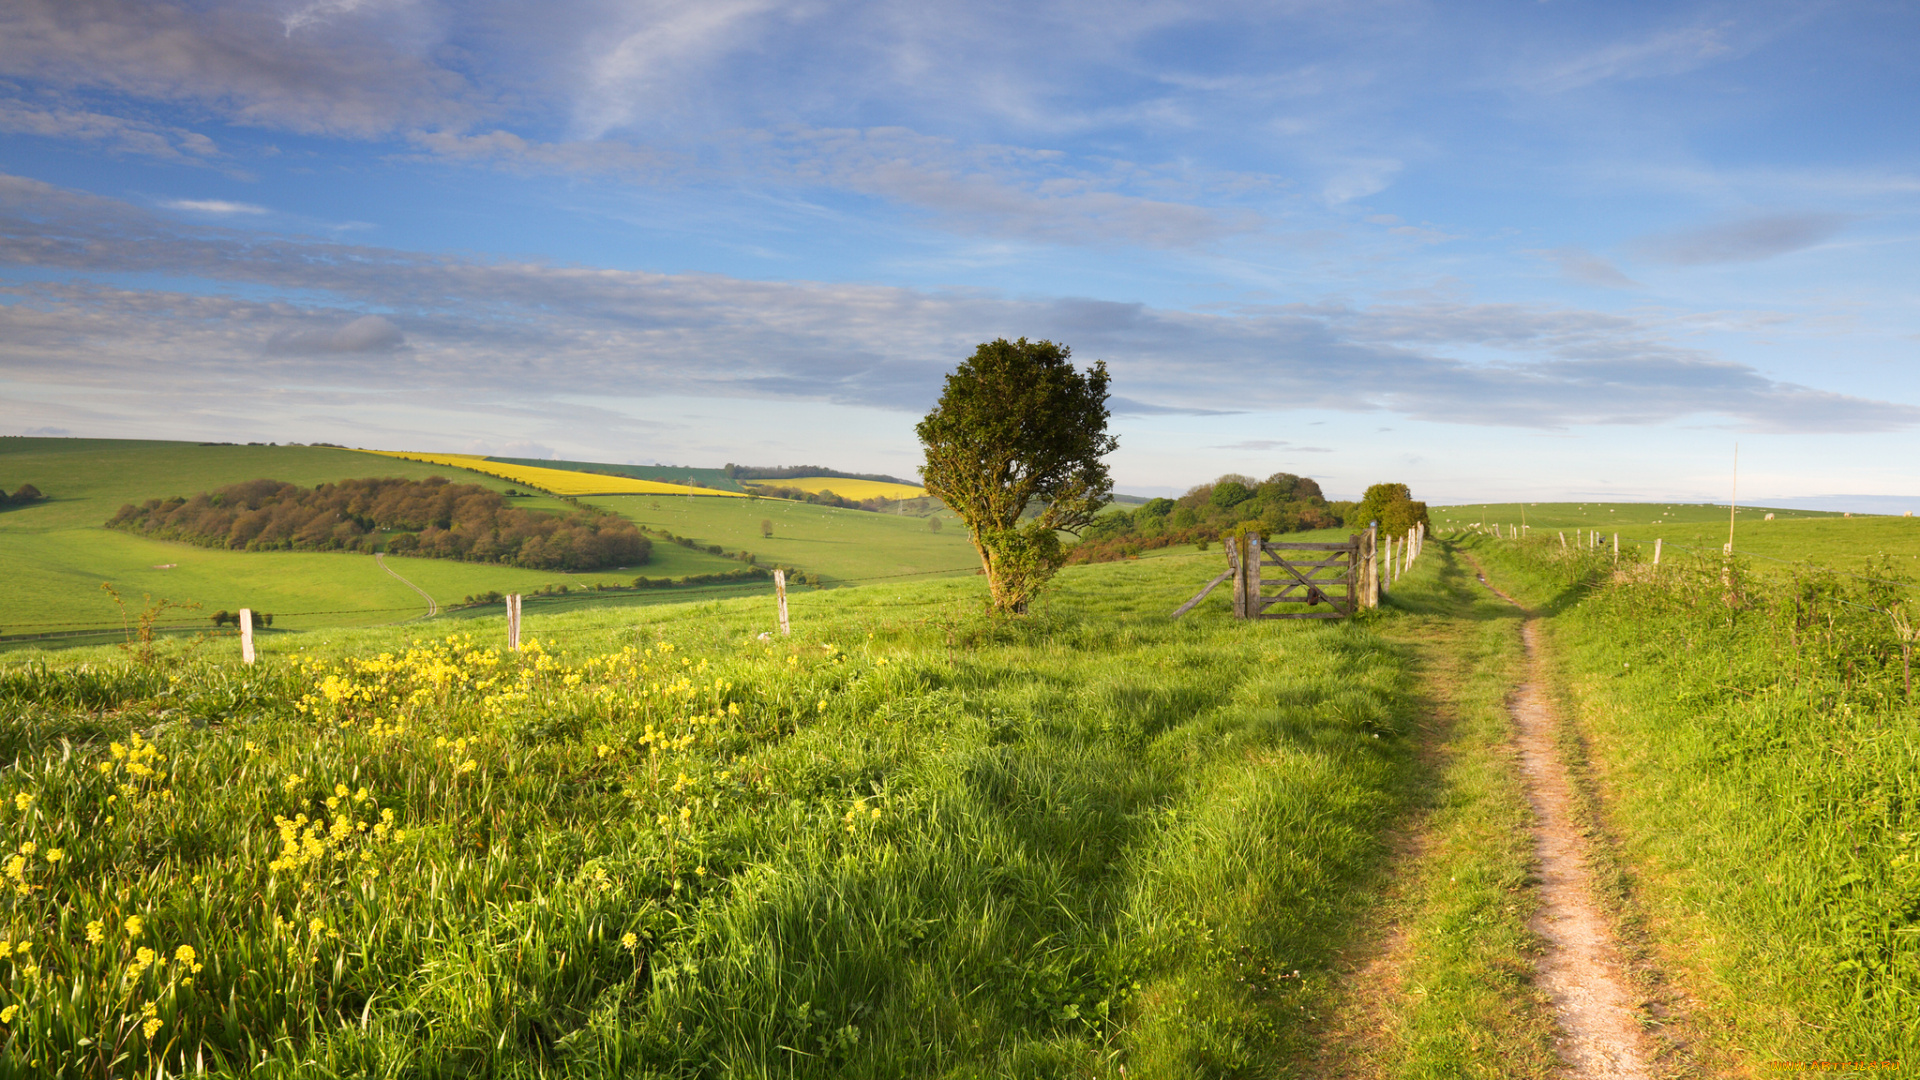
(435, 519)
(24, 494)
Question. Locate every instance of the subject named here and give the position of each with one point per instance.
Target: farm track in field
(432, 608)
(1581, 971)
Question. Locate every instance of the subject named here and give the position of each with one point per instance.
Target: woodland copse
(432, 518)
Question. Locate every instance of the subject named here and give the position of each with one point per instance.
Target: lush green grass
(909, 840)
(1756, 759)
(839, 545)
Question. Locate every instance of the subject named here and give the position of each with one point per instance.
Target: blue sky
(1499, 250)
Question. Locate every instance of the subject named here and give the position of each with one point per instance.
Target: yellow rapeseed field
(845, 488)
(557, 481)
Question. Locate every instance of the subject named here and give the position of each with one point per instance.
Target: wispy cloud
(116, 133)
(512, 330)
(1747, 240)
(1666, 52)
(1583, 266)
(366, 334)
(213, 206)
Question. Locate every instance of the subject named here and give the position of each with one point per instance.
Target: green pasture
(840, 545)
(909, 840)
(57, 553)
(1794, 536)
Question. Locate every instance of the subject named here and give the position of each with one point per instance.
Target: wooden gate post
(246, 634)
(1252, 555)
(1239, 577)
(1370, 586)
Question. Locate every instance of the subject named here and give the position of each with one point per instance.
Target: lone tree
(1017, 428)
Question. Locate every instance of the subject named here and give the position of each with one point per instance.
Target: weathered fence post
(1616, 549)
(1656, 551)
(1253, 556)
(246, 634)
(1370, 587)
(780, 597)
(513, 622)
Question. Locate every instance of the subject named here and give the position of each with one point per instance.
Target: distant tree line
(24, 494)
(433, 518)
(1281, 503)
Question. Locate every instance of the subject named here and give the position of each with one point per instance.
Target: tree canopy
(1018, 430)
(1394, 507)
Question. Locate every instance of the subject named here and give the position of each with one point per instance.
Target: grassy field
(909, 840)
(57, 553)
(840, 545)
(1756, 756)
(1826, 539)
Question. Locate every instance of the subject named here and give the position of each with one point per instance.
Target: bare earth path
(432, 608)
(1600, 1032)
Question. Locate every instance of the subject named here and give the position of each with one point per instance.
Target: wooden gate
(1327, 580)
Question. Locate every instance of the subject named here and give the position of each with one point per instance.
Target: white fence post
(246, 634)
(780, 596)
(1656, 551)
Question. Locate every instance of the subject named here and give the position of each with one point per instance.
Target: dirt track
(1601, 1035)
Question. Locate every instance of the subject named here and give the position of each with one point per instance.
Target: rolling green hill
(56, 552)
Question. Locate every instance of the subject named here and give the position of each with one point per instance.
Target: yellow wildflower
(134, 925)
(627, 941)
(22, 801)
(96, 932)
(54, 855)
(151, 1028)
(7, 1014)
